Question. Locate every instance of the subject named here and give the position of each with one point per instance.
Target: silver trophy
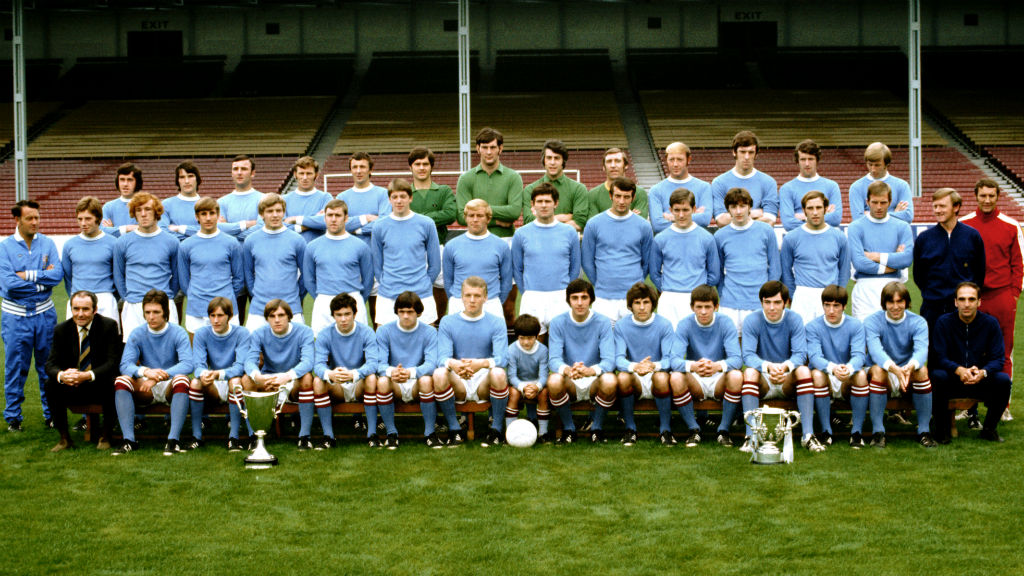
(260, 410)
(769, 426)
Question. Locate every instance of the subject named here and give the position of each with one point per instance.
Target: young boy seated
(528, 373)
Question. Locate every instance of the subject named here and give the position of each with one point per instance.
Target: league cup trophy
(260, 410)
(769, 426)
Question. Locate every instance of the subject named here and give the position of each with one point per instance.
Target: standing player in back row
(180, 211)
(792, 193)
(763, 190)
(677, 160)
(877, 156)
(616, 251)
(573, 201)
(366, 201)
(116, 213)
(545, 258)
(272, 257)
(305, 205)
(814, 256)
(614, 165)
(749, 255)
(407, 242)
(683, 257)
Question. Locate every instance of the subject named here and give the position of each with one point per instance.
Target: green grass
(579, 510)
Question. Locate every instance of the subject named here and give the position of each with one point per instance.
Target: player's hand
(399, 374)
(21, 275)
(668, 216)
(756, 213)
(207, 377)
(831, 208)
(341, 375)
(841, 371)
(146, 385)
(370, 217)
(801, 216)
(901, 248)
(531, 390)
(903, 205)
(564, 218)
(644, 366)
(873, 256)
(700, 210)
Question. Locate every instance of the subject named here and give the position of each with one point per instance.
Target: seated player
(835, 352)
(344, 363)
(286, 350)
(336, 263)
(581, 357)
(471, 350)
(218, 354)
(709, 357)
(967, 361)
(897, 341)
(408, 356)
(155, 366)
(775, 354)
(683, 256)
(527, 374)
(643, 357)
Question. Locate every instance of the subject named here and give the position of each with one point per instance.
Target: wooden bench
(470, 409)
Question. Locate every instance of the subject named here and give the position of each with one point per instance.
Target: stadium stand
(135, 78)
(422, 72)
(184, 128)
(554, 70)
(397, 123)
(35, 112)
(290, 75)
(41, 79)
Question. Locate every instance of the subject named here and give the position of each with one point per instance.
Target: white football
(521, 434)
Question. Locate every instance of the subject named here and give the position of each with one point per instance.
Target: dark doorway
(155, 44)
(747, 41)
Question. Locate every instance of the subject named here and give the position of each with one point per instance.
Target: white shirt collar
(341, 236)
(878, 220)
(147, 234)
(287, 331)
(400, 218)
(86, 238)
(742, 177)
(614, 217)
(690, 228)
(205, 235)
(533, 350)
(814, 179)
(278, 231)
(590, 314)
(683, 181)
(745, 227)
(413, 329)
(807, 228)
(478, 237)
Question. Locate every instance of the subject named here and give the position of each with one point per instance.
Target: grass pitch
(547, 510)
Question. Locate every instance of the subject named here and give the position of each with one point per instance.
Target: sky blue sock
(565, 413)
(599, 412)
(325, 415)
(805, 405)
(823, 406)
(125, 405)
(370, 407)
(628, 403)
(728, 415)
(748, 402)
(923, 406)
(234, 419)
(448, 409)
(664, 404)
(429, 409)
(306, 411)
(859, 408)
(877, 402)
(498, 405)
(179, 410)
(386, 406)
(689, 417)
(196, 407)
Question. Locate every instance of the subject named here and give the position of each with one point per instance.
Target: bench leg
(92, 423)
(952, 424)
(470, 428)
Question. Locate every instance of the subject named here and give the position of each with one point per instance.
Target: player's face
(682, 214)
(876, 168)
(642, 309)
(614, 165)
(273, 216)
(878, 205)
(334, 219)
(896, 307)
(473, 299)
(815, 212)
(87, 223)
(987, 199)
(833, 311)
(745, 158)
(208, 220)
(305, 177)
(187, 182)
(490, 153)
(967, 302)
(621, 199)
(278, 320)
(476, 222)
(944, 211)
(219, 320)
(421, 170)
(543, 207)
(399, 202)
(740, 214)
(360, 172)
(773, 307)
(580, 305)
(82, 311)
(407, 318)
(677, 163)
(704, 311)
(344, 319)
(808, 165)
(126, 184)
(154, 316)
(145, 215)
(527, 342)
(241, 174)
(553, 164)
(28, 222)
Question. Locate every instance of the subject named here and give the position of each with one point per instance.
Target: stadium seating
(34, 111)
(421, 72)
(552, 70)
(290, 75)
(131, 78)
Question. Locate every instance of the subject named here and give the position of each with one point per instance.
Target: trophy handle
(792, 419)
(754, 425)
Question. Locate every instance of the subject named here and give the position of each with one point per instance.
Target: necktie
(83, 354)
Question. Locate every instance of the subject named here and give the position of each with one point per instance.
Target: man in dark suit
(82, 365)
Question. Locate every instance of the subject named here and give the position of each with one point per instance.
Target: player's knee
(802, 373)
